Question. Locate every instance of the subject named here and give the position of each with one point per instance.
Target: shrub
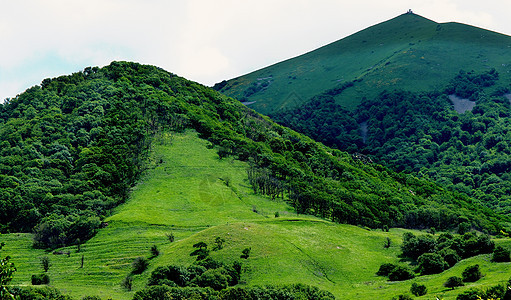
(45, 263)
(127, 282)
(213, 278)
(171, 237)
(139, 265)
(431, 263)
(471, 294)
(471, 274)
(453, 281)
(400, 273)
(245, 253)
(418, 289)
(154, 251)
(385, 269)
(40, 279)
(500, 254)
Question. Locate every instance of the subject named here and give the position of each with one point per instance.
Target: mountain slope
(75, 148)
(408, 52)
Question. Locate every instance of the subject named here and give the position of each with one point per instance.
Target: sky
(203, 40)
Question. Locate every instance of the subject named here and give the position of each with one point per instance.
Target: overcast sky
(203, 40)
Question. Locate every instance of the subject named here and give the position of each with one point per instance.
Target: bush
(213, 278)
(431, 263)
(500, 254)
(471, 274)
(139, 265)
(154, 251)
(471, 294)
(45, 263)
(453, 281)
(385, 269)
(40, 279)
(127, 282)
(418, 289)
(400, 273)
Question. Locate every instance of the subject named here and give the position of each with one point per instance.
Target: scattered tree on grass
(127, 282)
(453, 281)
(170, 237)
(418, 289)
(471, 274)
(139, 265)
(245, 253)
(154, 251)
(219, 243)
(40, 279)
(45, 263)
(201, 250)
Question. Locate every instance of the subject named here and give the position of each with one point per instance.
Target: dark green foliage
(216, 279)
(453, 281)
(171, 237)
(418, 289)
(385, 269)
(127, 282)
(431, 263)
(164, 292)
(72, 148)
(219, 243)
(245, 253)
(154, 251)
(139, 265)
(45, 263)
(387, 243)
(470, 294)
(201, 251)
(471, 274)
(414, 246)
(400, 273)
(40, 279)
(500, 254)
(450, 256)
(46, 293)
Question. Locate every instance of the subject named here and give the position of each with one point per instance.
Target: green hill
(408, 52)
(108, 162)
(339, 258)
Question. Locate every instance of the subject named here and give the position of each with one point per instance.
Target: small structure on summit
(409, 11)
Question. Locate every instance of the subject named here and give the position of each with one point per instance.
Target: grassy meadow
(189, 192)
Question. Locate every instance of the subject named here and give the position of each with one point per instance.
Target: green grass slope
(185, 192)
(408, 52)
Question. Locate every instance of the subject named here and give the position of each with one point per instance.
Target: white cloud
(203, 40)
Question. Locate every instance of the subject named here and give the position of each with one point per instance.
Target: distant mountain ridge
(408, 52)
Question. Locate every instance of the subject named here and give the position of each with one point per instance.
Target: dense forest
(73, 146)
(421, 133)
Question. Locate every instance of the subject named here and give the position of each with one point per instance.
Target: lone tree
(418, 289)
(471, 274)
(45, 263)
(201, 252)
(453, 281)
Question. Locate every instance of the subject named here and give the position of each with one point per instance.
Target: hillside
(189, 198)
(408, 52)
(107, 162)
